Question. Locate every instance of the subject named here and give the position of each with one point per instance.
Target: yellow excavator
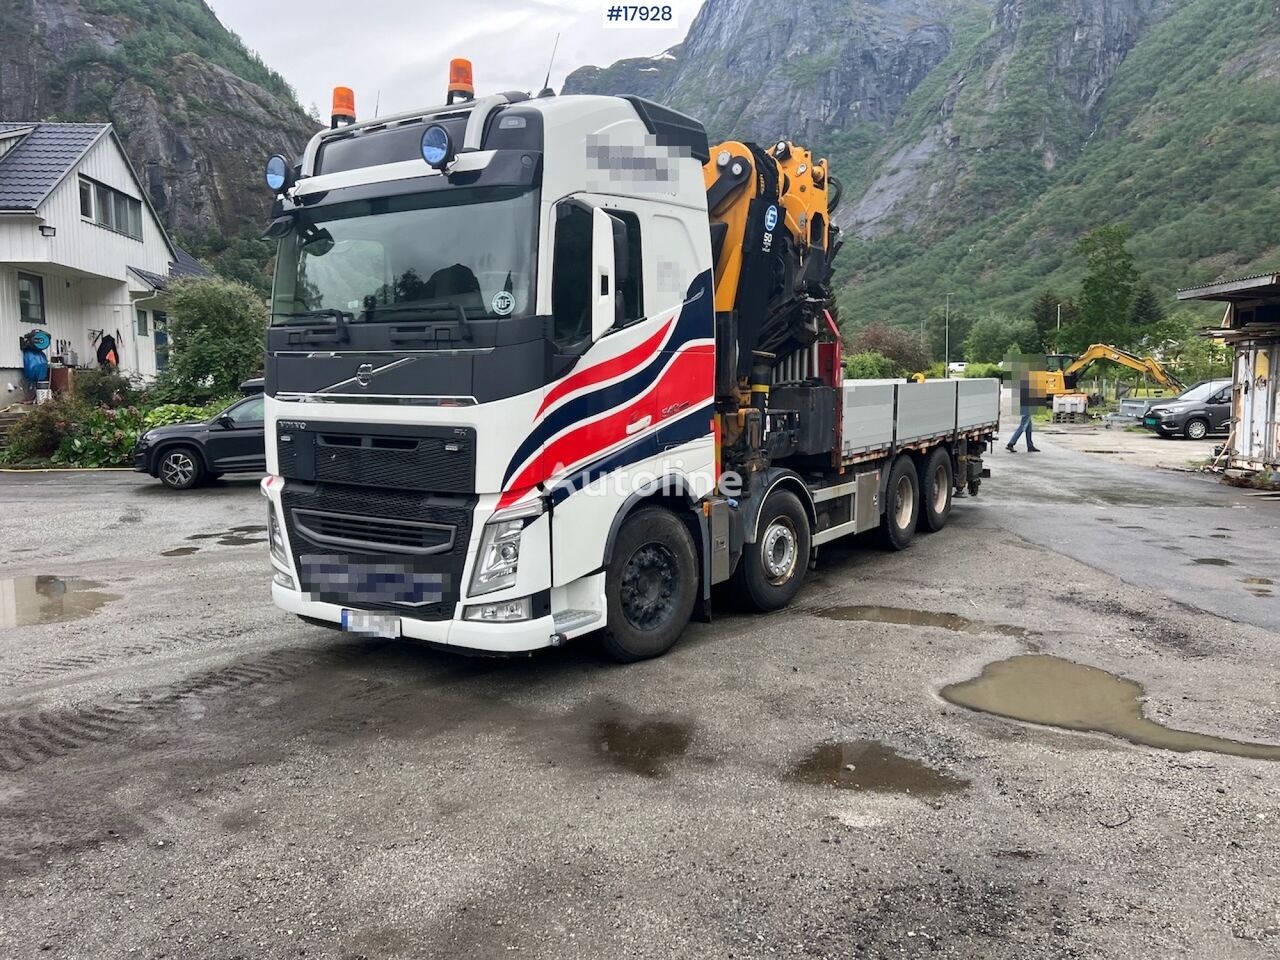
(1063, 370)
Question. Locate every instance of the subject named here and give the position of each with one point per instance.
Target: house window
(31, 298)
(111, 208)
(143, 329)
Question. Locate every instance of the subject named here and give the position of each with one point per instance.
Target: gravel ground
(186, 771)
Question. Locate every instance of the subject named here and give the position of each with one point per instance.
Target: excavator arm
(1150, 366)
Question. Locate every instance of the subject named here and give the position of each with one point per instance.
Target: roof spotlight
(437, 146)
(279, 175)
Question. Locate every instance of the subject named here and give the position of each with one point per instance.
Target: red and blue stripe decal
(665, 382)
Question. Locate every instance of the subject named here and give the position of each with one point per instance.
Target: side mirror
(603, 274)
(225, 421)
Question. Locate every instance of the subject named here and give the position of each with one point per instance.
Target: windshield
(1200, 391)
(458, 253)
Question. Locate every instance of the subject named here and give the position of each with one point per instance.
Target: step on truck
(546, 367)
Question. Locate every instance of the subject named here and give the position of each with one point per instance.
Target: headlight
(504, 611)
(499, 557)
(144, 441)
(278, 551)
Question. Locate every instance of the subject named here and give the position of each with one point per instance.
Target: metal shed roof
(1232, 291)
(47, 153)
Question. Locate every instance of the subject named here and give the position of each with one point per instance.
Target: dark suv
(1195, 413)
(183, 454)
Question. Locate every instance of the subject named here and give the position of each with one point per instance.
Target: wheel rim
(1196, 430)
(178, 469)
(904, 503)
(941, 489)
(779, 550)
(650, 581)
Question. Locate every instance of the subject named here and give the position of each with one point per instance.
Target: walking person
(1025, 409)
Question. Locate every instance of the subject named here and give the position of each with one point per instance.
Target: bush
(38, 435)
(101, 438)
(170, 413)
(985, 371)
(107, 388)
(904, 348)
(871, 366)
(216, 332)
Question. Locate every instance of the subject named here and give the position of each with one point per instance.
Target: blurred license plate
(1149, 422)
(371, 624)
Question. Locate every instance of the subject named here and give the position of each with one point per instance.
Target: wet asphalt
(186, 771)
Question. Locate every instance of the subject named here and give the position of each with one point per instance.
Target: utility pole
(946, 346)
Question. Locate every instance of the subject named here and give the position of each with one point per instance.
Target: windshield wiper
(340, 320)
(339, 317)
(435, 306)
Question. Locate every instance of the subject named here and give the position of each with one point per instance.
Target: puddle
(234, 536)
(26, 601)
(180, 552)
(1259, 592)
(1213, 562)
(1219, 536)
(921, 618)
(1059, 693)
(1258, 581)
(646, 748)
(871, 766)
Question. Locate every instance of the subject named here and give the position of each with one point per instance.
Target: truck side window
(571, 274)
(631, 288)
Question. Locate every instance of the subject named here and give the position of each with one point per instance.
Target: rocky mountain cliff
(197, 112)
(978, 139)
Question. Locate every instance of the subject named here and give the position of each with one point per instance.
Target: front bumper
(520, 637)
(142, 461)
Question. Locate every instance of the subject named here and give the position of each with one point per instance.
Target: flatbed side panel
(978, 404)
(868, 416)
(926, 410)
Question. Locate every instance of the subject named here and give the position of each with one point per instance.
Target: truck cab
(542, 367)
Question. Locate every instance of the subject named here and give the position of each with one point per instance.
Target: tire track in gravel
(35, 737)
(56, 667)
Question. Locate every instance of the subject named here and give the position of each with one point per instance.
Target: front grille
(397, 540)
(438, 459)
(374, 533)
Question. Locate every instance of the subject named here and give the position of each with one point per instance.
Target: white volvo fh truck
(547, 367)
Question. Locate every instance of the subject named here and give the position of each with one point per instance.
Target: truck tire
(901, 505)
(651, 585)
(937, 484)
(771, 570)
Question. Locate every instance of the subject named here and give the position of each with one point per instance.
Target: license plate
(371, 624)
(1149, 422)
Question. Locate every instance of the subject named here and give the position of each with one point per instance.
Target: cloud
(396, 53)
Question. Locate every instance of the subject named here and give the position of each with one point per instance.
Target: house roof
(48, 152)
(185, 265)
(1229, 291)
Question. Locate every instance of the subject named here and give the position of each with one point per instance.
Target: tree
(992, 336)
(936, 331)
(216, 330)
(871, 366)
(900, 346)
(1145, 312)
(1045, 312)
(1107, 290)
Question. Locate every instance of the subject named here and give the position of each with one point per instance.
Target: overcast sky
(400, 49)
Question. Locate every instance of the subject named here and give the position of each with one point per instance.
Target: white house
(82, 252)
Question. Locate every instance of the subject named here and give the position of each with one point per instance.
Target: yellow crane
(1064, 370)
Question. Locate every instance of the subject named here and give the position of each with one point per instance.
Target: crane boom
(1146, 365)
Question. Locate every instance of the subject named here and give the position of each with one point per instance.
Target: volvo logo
(364, 373)
(291, 424)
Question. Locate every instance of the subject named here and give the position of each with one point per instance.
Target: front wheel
(651, 585)
(771, 569)
(902, 505)
(180, 468)
(1196, 429)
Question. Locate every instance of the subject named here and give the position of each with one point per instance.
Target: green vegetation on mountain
(1185, 151)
